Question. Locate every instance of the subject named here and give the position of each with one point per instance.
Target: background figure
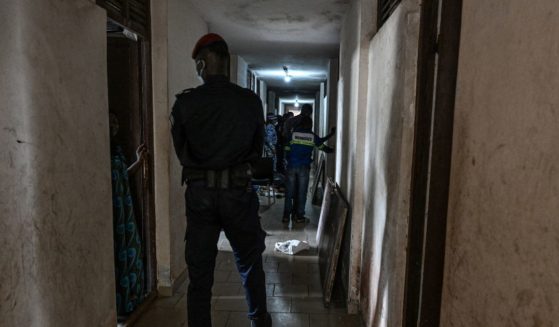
(271, 138)
(299, 158)
(291, 123)
(129, 267)
(280, 168)
(281, 142)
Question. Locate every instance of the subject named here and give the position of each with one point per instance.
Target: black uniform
(217, 125)
(218, 130)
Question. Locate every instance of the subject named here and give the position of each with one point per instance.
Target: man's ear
(200, 65)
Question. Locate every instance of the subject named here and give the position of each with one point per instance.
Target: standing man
(218, 131)
(291, 123)
(299, 157)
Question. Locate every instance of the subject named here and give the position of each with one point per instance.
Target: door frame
(439, 44)
(143, 44)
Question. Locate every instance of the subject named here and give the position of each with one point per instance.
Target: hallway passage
(292, 284)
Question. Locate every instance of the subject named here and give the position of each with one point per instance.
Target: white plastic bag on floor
(292, 247)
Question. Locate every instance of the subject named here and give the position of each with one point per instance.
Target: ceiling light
(287, 77)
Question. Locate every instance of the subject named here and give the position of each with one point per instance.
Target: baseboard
(167, 291)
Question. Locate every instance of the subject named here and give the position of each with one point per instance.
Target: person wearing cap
(218, 132)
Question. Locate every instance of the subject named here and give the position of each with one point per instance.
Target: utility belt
(233, 177)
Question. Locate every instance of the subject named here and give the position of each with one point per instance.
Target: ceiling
(300, 34)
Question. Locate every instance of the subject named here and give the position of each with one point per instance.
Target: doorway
(439, 43)
(129, 89)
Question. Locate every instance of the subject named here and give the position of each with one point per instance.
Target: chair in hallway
(263, 175)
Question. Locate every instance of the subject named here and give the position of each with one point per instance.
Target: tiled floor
(292, 284)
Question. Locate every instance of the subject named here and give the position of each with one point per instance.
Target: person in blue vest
(299, 157)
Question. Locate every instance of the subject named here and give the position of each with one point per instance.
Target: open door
(130, 101)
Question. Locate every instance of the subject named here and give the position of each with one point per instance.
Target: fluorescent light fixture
(287, 77)
(280, 73)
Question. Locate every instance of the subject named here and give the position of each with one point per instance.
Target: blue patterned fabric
(129, 267)
(270, 142)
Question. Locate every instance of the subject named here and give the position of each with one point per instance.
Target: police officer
(218, 131)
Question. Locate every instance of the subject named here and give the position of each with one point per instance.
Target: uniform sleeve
(177, 129)
(319, 141)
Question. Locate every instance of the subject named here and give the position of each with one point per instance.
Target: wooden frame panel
(332, 231)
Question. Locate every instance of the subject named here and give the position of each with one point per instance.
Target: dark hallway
(445, 150)
(292, 284)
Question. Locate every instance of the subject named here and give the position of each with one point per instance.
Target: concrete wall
(376, 99)
(233, 68)
(332, 95)
(271, 102)
(176, 28)
(356, 32)
(56, 262)
(502, 243)
(263, 94)
(242, 68)
(389, 151)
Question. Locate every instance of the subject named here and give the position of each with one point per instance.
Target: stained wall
(56, 263)
(376, 99)
(502, 240)
(177, 26)
(388, 152)
(351, 110)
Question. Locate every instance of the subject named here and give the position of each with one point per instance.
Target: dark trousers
(235, 211)
(297, 187)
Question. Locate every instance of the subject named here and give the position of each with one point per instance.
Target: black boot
(265, 321)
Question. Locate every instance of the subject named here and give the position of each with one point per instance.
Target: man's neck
(215, 77)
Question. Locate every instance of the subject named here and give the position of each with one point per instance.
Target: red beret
(205, 41)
